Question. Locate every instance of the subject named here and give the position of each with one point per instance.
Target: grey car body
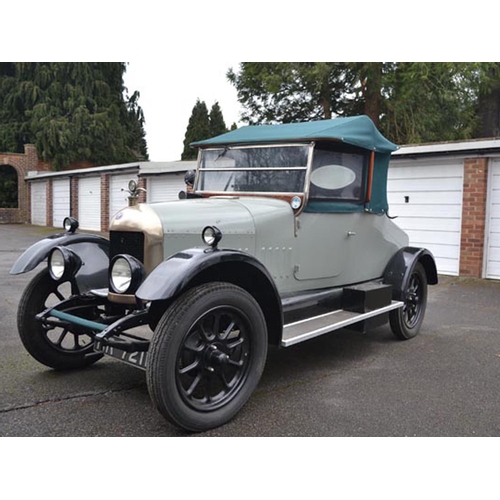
(286, 237)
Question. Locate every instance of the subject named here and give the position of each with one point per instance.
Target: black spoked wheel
(213, 360)
(55, 347)
(406, 321)
(207, 356)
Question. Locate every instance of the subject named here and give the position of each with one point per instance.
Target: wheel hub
(214, 357)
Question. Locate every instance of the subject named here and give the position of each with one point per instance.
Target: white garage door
(426, 197)
(89, 203)
(39, 203)
(118, 199)
(165, 187)
(60, 201)
(492, 267)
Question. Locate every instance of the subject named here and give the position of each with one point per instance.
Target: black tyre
(207, 356)
(54, 347)
(406, 321)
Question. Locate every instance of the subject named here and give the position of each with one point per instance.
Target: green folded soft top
(356, 130)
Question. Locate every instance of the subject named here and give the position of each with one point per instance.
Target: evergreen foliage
(202, 125)
(409, 102)
(217, 125)
(71, 112)
(488, 110)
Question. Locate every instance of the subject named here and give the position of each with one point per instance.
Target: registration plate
(136, 358)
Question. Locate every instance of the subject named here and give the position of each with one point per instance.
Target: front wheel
(406, 321)
(56, 347)
(207, 356)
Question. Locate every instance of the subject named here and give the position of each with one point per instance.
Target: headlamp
(70, 225)
(211, 235)
(126, 274)
(63, 264)
(132, 186)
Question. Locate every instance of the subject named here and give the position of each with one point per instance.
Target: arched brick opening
(9, 187)
(22, 164)
(14, 198)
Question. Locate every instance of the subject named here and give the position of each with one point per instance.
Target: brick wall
(73, 189)
(473, 216)
(22, 164)
(48, 204)
(142, 194)
(104, 202)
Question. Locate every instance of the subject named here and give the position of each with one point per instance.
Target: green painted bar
(91, 325)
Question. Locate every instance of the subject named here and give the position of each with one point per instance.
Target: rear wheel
(55, 347)
(406, 321)
(207, 356)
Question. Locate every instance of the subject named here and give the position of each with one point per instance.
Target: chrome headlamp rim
(127, 278)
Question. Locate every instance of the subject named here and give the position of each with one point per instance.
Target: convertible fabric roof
(356, 130)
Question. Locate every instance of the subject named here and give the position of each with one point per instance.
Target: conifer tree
(217, 124)
(198, 129)
(71, 112)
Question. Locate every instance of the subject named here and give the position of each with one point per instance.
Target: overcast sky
(168, 95)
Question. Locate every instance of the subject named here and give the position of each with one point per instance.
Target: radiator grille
(129, 242)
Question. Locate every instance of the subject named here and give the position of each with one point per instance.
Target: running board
(306, 329)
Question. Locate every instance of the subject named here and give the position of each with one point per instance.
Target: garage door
(39, 203)
(165, 187)
(89, 203)
(60, 201)
(426, 198)
(492, 267)
(118, 193)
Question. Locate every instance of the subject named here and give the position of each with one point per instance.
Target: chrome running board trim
(306, 329)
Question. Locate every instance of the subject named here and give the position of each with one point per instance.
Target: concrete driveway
(442, 383)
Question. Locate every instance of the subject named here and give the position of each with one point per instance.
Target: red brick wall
(74, 197)
(142, 194)
(48, 204)
(473, 216)
(104, 202)
(77, 165)
(22, 163)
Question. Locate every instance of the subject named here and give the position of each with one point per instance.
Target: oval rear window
(332, 177)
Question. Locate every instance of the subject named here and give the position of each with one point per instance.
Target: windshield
(269, 169)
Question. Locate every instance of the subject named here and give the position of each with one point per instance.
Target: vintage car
(285, 237)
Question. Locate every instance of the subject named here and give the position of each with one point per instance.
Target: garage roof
(142, 168)
(473, 146)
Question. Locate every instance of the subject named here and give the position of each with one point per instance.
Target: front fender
(398, 271)
(195, 266)
(173, 275)
(93, 250)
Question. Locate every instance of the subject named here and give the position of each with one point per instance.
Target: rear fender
(93, 251)
(398, 271)
(195, 266)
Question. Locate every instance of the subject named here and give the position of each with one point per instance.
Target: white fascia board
(449, 147)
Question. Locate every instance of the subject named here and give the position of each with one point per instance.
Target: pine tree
(198, 129)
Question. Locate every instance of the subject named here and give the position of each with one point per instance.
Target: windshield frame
(272, 194)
